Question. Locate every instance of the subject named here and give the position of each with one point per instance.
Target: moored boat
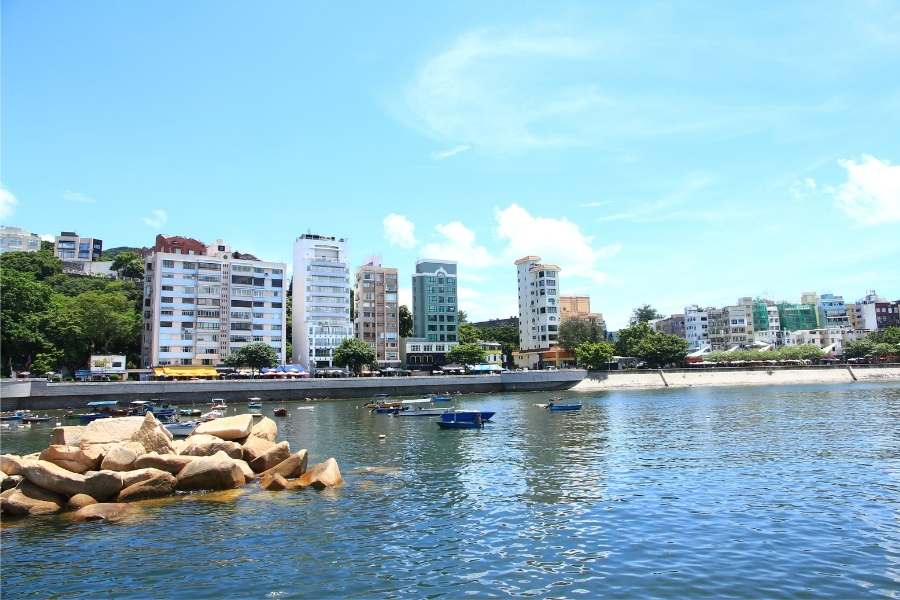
(441, 398)
(35, 418)
(461, 420)
(182, 429)
(213, 414)
(422, 407)
(14, 416)
(190, 412)
(280, 412)
(254, 402)
(558, 407)
(218, 404)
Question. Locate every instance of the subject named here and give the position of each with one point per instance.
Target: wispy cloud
(444, 154)
(78, 197)
(457, 242)
(158, 217)
(399, 231)
(871, 194)
(670, 206)
(8, 202)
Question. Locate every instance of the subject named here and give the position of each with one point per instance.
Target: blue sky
(670, 154)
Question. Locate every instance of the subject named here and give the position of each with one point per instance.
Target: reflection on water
(749, 492)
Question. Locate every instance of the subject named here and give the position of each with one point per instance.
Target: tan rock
(153, 436)
(273, 456)
(69, 435)
(227, 428)
(130, 478)
(104, 511)
(80, 501)
(321, 476)
(71, 458)
(171, 463)
(159, 485)
(29, 499)
(293, 466)
(111, 431)
(274, 482)
(32, 456)
(54, 478)
(179, 445)
(255, 447)
(208, 445)
(103, 484)
(11, 464)
(249, 475)
(217, 472)
(265, 428)
(119, 458)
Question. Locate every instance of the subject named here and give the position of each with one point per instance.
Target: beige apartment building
(376, 318)
(579, 307)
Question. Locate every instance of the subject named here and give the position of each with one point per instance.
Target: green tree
(462, 317)
(888, 335)
(22, 303)
(466, 354)
(574, 332)
(661, 349)
(128, 265)
(630, 337)
(40, 264)
(594, 355)
(355, 354)
(468, 333)
(859, 348)
(644, 313)
(882, 350)
(406, 321)
(108, 320)
(46, 362)
(255, 355)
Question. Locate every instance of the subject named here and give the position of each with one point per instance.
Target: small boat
(218, 404)
(280, 412)
(441, 398)
(553, 406)
(190, 412)
(213, 414)
(85, 418)
(381, 395)
(420, 408)
(35, 419)
(182, 429)
(254, 403)
(461, 420)
(14, 416)
(386, 410)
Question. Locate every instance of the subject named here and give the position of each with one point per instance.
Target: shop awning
(185, 371)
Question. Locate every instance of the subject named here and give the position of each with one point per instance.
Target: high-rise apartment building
(201, 303)
(376, 319)
(832, 312)
(538, 304)
(72, 247)
(434, 300)
(321, 299)
(16, 239)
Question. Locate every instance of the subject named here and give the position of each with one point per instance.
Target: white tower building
(538, 304)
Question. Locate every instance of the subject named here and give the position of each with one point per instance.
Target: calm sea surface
(777, 492)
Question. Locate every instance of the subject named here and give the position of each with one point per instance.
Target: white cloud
(458, 244)
(48, 237)
(399, 231)
(158, 217)
(404, 297)
(557, 241)
(871, 194)
(8, 202)
(443, 154)
(78, 197)
(670, 206)
(801, 189)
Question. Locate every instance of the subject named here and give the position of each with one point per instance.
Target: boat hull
(459, 425)
(563, 407)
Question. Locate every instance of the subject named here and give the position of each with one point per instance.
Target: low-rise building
(16, 239)
(493, 352)
(671, 325)
(70, 246)
(832, 340)
(696, 326)
(422, 354)
(579, 307)
(832, 311)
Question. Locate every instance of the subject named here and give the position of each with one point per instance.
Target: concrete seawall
(38, 394)
(617, 380)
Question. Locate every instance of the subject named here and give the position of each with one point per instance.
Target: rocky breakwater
(99, 469)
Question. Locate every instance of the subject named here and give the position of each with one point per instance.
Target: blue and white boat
(441, 398)
(182, 429)
(254, 403)
(14, 416)
(556, 406)
(463, 420)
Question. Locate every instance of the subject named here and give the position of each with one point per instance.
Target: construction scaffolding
(795, 317)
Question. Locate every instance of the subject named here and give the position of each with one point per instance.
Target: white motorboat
(213, 414)
(421, 407)
(182, 429)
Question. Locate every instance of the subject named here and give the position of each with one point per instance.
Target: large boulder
(153, 436)
(217, 472)
(158, 485)
(265, 428)
(11, 464)
(207, 445)
(179, 445)
(132, 477)
(111, 431)
(111, 511)
(80, 501)
(274, 482)
(103, 484)
(29, 499)
(122, 457)
(171, 463)
(249, 475)
(69, 435)
(227, 428)
(53, 477)
(71, 458)
(254, 447)
(321, 476)
(10, 481)
(293, 466)
(273, 456)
